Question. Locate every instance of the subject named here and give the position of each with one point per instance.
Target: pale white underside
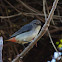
(27, 36)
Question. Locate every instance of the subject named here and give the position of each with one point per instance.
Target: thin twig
(52, 41)
(59, 14)
(28, 7)
(56, 29)
(12, 5)
(24, 13)
(48, 13)
(44, 2)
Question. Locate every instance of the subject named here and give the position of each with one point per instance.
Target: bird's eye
(35, 23)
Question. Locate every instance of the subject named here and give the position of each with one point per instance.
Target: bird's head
(36, 22)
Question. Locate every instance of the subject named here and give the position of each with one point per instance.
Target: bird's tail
(11, 39)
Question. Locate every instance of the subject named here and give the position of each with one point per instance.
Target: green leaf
(60, 45)
(57, 43)
(61, 40)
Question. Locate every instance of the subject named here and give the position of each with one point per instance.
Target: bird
(26, 33)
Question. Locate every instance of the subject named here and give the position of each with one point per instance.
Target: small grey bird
(27, 33)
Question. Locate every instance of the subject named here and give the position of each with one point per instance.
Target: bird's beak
(40, 24)
(11, 39)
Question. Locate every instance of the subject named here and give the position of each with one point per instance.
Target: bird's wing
(25, 28)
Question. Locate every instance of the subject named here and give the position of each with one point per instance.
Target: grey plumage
(27, 27)
(26, 33)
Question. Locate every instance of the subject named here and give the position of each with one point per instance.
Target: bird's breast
(27, 36)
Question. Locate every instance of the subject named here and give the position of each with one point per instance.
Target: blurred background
(14, 14)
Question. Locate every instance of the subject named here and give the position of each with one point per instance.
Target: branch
(28, 7)
(29, 14)
(44, 2)
(56, 29)
(31, 9)
(12, 6)
(59, 15)
(42, 32)
(48, 12)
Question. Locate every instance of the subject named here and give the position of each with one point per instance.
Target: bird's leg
(36, 43)
(22, 48)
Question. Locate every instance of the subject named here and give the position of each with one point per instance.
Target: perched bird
(27, 33)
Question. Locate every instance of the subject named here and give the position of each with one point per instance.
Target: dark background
(44, 50)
